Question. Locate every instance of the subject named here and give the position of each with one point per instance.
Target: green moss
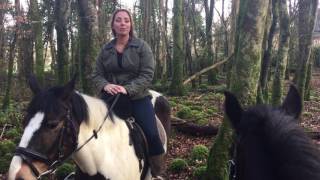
(64, 171)
(178, 165)
(199, 152)
(6, 146)
(199, 172)
(5, 162)
(184, 113)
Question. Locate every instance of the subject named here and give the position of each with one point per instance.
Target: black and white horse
(58, 124)
(270, 145)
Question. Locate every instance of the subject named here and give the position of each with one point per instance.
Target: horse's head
(50, 131)
(260, 131)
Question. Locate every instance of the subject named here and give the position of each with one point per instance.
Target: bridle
(232, 163)
(26, 153)
(69, 123)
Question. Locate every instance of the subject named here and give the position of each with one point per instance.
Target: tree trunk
(309, 76)
(307, 14)
(62, 13)
(244, 79)
(89, 42)
(176, 87)
(233, 27)
(145, 6)
(7, 97)
(209, 45)
(262, 96)
(38, 40)
(2, 39)
(282, 54)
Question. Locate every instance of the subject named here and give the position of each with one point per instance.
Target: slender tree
(37, 28)
(2, 37)
(7, 97)
(209, 41)
(262, 96)
(282, 54)
(176, 87)
(307, 14)
(62, 13)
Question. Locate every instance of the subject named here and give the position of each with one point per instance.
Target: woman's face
(121, 23)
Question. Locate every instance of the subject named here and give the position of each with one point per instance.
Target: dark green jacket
(137, 68)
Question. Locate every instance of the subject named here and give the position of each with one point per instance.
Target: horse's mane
(293, 153)
(50, 101)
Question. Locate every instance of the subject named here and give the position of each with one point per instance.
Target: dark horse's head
(51, 127)
(270, 145)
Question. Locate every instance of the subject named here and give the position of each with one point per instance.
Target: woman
(126, 65)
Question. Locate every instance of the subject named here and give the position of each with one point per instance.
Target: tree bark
(307, 14)
(62, 13)
(145, 6)
(209, 43)
(2, 38)
(88, 44)
(37, 28)
(176, 87)
(244, 79)
(233, 27)
(7, 97)
(262, 96)
(282, 54)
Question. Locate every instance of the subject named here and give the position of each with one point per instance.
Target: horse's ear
(292, 104)
(33, 83)
(69, 88)
(232, 108)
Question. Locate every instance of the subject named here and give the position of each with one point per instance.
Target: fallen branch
(206, 70)
(191, 128)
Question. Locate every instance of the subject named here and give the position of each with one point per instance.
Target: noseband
(27, 154)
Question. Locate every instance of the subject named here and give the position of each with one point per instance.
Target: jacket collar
(133, 42)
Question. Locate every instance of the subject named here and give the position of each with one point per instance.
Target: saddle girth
(139, 142)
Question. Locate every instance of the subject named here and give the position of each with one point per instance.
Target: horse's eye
(52, 124)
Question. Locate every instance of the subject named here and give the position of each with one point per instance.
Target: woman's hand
(114, 89)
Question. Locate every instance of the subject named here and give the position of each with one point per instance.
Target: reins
(25, 152)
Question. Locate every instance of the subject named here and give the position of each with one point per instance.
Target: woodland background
(253, 48)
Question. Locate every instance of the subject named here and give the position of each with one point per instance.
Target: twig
(3, 130)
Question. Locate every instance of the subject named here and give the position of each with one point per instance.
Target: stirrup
(157, 178)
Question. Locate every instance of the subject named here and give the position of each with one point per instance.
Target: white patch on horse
(154, 95)
(15, 166)
(31, 128)
(111, 153)
(33, 125)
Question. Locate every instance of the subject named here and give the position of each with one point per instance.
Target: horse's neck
(111, 150)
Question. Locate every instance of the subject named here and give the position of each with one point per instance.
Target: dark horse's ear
(69, 88)
(33, 83)
(292, 104)
(232, 108)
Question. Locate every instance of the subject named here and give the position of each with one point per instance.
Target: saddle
(122, 107)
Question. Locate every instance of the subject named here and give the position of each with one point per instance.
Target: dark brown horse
(270, 145)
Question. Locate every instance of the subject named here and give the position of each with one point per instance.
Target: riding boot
(157, 166)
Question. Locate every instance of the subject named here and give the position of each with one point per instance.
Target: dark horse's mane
(270, 142)
(293, 154)
(54, 101)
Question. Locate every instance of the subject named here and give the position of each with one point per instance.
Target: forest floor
(180, 145)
